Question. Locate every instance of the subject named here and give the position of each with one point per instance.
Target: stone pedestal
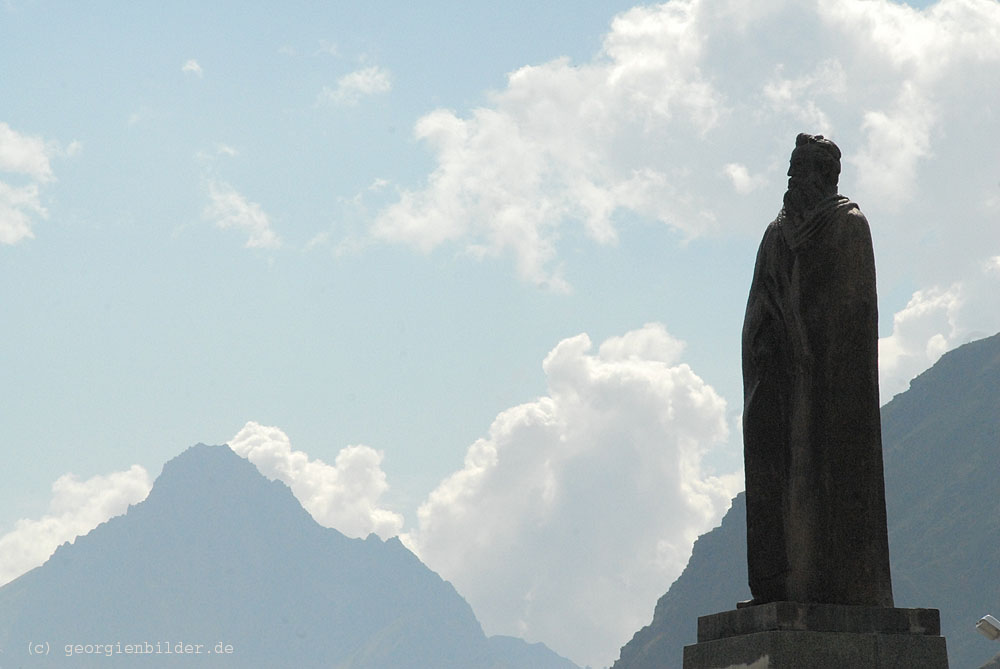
(789, 635)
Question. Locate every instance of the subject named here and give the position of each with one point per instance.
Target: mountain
(516, 653)
(218, 555)
(941, 441)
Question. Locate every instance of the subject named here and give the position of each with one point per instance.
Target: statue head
(812, 172)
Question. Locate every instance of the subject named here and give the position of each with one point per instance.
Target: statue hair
(826, 153)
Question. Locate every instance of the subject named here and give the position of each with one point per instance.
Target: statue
(816, 523)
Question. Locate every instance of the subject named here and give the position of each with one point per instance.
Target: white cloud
(192, 66)
(26, 159)
(22, 154)
(578, 509)
(800, 96)
(567, 143)
(917, 56)
(741, 178)
(76, 508)
(920, 44)
(208, 157)
(921, 334)
(684, 91)
(343, 496)
(355, 85)
(655, 55)
(650, 343)
(896, 141)
(229, 209)
(937, 320)
(18, 206)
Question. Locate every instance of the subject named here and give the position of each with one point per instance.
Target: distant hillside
(217, 554)
(941, 440)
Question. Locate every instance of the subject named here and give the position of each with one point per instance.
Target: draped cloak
(816, 523)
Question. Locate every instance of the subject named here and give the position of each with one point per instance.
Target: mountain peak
(202, 473)
(217, 553)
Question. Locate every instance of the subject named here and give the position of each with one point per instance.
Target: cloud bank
(343, 495)
(76, 508)
(577, 510)
(686, 118)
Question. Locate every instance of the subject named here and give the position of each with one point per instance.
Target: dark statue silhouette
(816, 523)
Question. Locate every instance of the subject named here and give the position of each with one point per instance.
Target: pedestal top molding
(795, 616)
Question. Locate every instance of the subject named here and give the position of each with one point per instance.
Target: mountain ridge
(219, 554)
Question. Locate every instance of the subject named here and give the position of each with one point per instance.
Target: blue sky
(369, 224)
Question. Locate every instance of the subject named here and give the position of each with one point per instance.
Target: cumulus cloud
(895, 141)
(358, 84)
(344, 495)
(229, 209)
(76, 508)
(26, 159)
(917, 58)
(566, 143)
(598, 490)
(686, 91)
(921, 44)
(192, 67)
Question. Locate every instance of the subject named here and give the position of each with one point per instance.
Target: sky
(468, 273)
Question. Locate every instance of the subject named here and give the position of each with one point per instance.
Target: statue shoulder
(850, 214)
(853, 228)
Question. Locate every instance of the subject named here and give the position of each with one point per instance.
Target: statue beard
(801, 197)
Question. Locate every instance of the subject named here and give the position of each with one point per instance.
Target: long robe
(816, 523)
